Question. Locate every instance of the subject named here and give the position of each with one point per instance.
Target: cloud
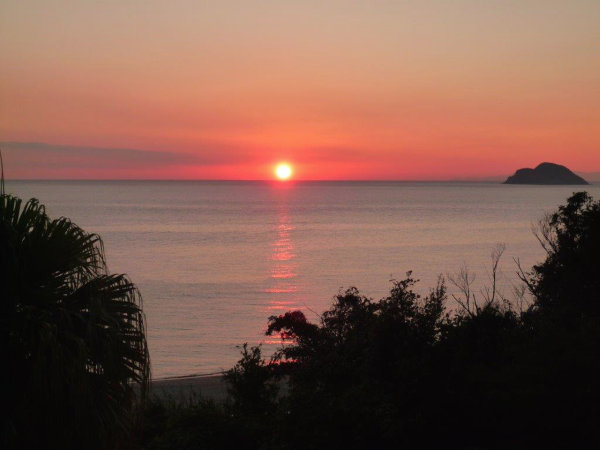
(43, 155)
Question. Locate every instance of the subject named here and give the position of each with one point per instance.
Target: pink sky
(340, 89)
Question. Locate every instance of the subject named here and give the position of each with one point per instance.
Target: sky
(408, 90)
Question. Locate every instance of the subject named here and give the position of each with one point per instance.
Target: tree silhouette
(404, 372)
(72, 335)
(568, 281)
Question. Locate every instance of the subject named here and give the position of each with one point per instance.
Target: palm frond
(73, 333)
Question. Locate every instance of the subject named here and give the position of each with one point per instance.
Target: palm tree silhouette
(72, 335)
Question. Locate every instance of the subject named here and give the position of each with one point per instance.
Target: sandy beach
(181, 388)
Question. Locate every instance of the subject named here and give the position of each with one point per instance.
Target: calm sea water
(214, 259)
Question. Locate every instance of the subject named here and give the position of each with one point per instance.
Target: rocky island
(545, 173)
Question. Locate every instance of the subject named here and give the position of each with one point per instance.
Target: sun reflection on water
(282, 287)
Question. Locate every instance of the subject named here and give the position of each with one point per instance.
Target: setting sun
(283, 171)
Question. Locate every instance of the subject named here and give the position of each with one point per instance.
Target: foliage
(243, 421)
(72, 335)
(251, 384)
(196, 424)
(568, 281)
(405, 372)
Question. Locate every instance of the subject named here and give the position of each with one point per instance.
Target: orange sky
(341, 89)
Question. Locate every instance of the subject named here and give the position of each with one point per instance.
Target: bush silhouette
(568, 281)
(405, 371)
(408, 372)
(251, 384)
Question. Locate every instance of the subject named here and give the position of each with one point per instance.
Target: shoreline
(182, 388)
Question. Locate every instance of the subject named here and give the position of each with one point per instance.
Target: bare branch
(463, 281)
(543, 232)
(524, 276)
(490, 294)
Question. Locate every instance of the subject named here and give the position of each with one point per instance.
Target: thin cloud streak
(46, 155)
(47, 160)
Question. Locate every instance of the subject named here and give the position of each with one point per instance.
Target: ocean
(214, 259)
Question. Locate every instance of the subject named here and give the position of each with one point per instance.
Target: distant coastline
(491, 180)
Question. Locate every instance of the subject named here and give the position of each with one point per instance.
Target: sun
(283, 171)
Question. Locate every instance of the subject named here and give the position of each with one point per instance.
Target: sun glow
(283, 171)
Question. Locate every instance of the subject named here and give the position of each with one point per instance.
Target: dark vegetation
(75, 360)
(405, 372)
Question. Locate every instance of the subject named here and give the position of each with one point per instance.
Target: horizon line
(269, 180)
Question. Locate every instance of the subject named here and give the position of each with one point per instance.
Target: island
(545, 173)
